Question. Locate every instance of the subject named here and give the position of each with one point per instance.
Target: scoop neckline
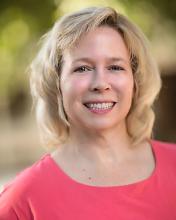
(71, 180)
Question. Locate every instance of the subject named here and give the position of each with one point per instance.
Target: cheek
(124, 85)
(73, 88)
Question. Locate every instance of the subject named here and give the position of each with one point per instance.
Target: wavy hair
(46, 68)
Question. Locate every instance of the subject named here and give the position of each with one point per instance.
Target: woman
(94, 83)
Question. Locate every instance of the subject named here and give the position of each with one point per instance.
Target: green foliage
(22, 23)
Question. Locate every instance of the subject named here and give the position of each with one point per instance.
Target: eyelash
(82, 69)
(115, 68)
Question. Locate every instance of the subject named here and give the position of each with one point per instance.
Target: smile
(100, 108)
(103, 105)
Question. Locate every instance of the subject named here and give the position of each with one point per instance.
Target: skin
(98, 151)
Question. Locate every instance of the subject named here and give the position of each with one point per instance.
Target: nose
(100, 81)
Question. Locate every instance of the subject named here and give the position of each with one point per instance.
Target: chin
(101, 126)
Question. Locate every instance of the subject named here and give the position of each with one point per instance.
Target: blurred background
(23, 22)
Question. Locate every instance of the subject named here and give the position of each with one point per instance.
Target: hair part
(47, 66)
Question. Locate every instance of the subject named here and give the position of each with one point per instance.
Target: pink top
(43, 192)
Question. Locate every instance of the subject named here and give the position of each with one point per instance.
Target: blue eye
(82, 69)
(115, 68)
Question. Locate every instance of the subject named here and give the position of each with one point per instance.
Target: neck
(99, 146)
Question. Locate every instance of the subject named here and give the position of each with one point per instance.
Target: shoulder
(164, 146)
(27, 177)
(17, 193)
(164, 150)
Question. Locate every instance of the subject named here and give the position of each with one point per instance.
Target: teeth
(100, 105)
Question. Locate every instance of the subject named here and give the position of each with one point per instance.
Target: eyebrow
(89, 60)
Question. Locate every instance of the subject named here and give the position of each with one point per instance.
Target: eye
(82, 69)
(115, 68)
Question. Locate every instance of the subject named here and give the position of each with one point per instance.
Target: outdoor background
(23, 22)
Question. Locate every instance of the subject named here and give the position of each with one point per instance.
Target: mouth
(100, 107)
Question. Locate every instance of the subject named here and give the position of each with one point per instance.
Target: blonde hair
(46, 68)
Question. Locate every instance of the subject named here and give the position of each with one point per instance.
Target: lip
(99, 101)
(100, 111)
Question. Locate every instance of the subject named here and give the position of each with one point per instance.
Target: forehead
(98, 42)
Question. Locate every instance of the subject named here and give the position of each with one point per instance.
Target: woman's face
(97, 81)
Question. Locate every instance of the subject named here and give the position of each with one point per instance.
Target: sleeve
(6, 210)
(8, 214)
(13, 205)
